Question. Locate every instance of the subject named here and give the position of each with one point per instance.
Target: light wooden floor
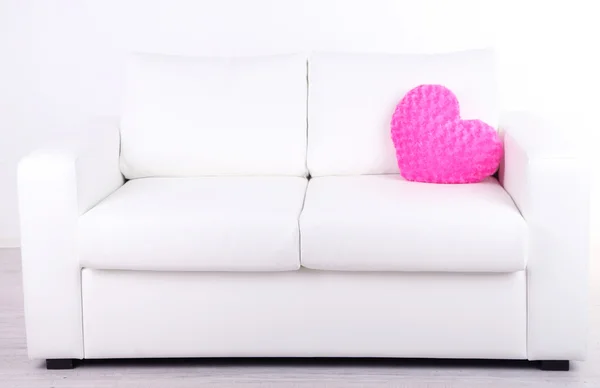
(17, 371)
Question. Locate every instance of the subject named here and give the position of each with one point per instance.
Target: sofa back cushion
(352, 98)
(191, 116)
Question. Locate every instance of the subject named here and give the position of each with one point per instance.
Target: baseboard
(9, 243)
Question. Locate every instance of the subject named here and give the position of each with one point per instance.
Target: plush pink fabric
(434, 145)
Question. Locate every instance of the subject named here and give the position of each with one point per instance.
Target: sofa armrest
(55, 186)
(549, 183)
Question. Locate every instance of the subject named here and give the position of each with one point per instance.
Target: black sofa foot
(60, 363)
(557, 365)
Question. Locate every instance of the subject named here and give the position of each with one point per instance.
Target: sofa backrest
(352, 98)
(196, 116)
(193, 116)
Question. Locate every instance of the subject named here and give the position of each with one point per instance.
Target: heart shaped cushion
(434, 145)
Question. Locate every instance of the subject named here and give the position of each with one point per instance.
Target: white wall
(61, 60)
(54, 70)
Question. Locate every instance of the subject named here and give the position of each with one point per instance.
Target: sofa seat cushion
(196, 224)
(385, 223)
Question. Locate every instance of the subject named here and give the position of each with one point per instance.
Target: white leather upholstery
(55, 186)
(196, 224)
(204, 252)
(384, 223)
(353, 96)
(186, 116)
(550, 186)
(303, 313)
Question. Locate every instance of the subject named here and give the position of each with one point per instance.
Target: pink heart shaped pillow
(434, 145)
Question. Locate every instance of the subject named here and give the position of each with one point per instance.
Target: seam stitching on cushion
(307, 172)
(299, 229)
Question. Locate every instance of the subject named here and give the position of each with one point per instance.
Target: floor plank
(17, 371)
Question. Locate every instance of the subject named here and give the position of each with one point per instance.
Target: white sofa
(253, 207)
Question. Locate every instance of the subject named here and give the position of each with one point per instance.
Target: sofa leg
(554, 365)
(60, 363)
